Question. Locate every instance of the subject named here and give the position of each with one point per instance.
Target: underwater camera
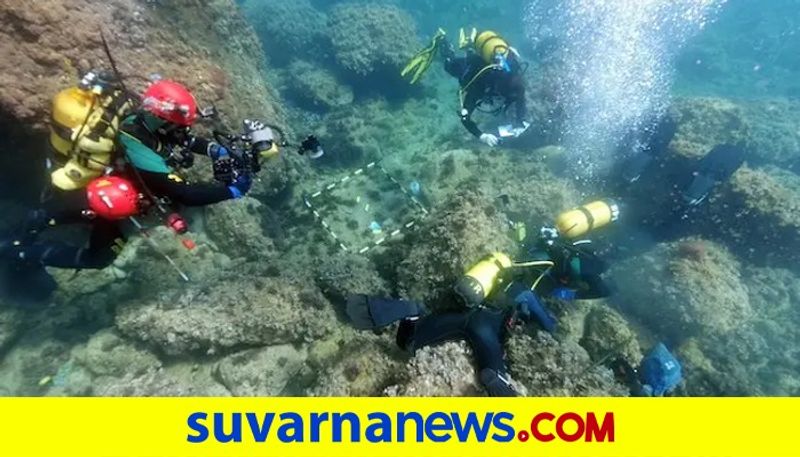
(312, 146)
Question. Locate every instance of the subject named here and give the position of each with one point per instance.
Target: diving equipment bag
(83, 130)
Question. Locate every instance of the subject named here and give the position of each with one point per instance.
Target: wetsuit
(485, 330)
(145, 150)
(480, 86)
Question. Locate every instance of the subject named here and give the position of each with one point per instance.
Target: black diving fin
(368, 313)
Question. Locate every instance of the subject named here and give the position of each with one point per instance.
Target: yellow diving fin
(419, 64)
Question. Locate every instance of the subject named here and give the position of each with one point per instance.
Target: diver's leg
(105, 240)
(367, 313)
(431, 330)
(485, 334)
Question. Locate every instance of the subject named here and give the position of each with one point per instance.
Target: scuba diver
(490, 76)
(497, 295)
(117, 157)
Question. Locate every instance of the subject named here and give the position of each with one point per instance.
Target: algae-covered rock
(106, 354)
(457, 234)
(345, 274)
(261, 372)
(236, 227)
(369, 38)
(444, 370)
(28, 366)
(144, 267)
(607, 334)
(362, 366)
(548, 368)
(316, 87)
(289, 29)
(706, 122)
(208, 46)
(229, 314)
(362, 131)
(775, 136)
(685, 288)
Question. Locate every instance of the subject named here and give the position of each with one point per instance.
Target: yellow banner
(378, 427)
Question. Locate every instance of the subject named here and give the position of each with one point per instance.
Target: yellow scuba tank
(580, 221)
(83, 129)
(488, 44)
(480, 280)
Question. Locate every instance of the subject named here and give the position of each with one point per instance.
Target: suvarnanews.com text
(403, 427)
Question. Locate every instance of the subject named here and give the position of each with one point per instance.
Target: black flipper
(496, 385)
(368, 313)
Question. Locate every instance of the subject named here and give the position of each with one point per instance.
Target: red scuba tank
(113, 198)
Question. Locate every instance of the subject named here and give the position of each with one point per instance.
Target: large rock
(690, 287)
(372, 38)
(261, 372)
(440, 371)
(208, 46)
(706, 122)
(548, 368)
(316, 88)
(457, 234)
(289, 29)
(237, 228)
(233, 313)
(608, 334)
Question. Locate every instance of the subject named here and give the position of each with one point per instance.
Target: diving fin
(421, 62)
(367, 313)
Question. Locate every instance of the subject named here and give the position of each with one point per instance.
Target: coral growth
(680, 295)
(705, 123)
(369, 38)
(548, 368)
(229, 315)
(289, 30)
(316, 88)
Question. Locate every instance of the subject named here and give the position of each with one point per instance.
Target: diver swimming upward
(490, 75)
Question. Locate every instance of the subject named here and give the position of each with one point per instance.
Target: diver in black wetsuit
(153, 142)
(489, 74)
(574, 273)
(483, 80)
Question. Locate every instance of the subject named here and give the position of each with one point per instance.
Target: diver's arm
(183, 193)
(469, 124)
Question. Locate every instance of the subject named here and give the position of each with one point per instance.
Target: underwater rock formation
(760, 357)
(316, 88)
(358, 366)
(372, 38)
(235, 227)
(289, 29)
(440, 371)
(208, 46)
(361, 132)
(765, 203)
(235, 312)
(549, 368)
(706, 122)
(682, 289)
(608, 334)
(775, 137)
(345, 274)
(458, 233)
(261, 372)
